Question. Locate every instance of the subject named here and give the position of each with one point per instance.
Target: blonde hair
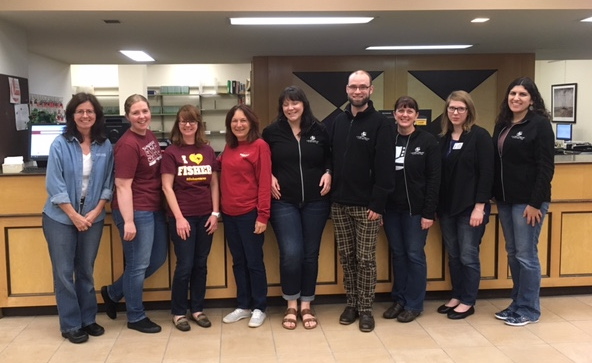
(465, 98)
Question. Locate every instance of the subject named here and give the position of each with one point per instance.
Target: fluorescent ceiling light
(479, 20)
(300, 20)
(587, 20)
(419, 47)
(137, 55)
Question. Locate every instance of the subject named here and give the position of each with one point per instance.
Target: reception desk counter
(565, 247)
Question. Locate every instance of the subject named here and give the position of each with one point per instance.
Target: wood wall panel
(30, 273)
(272, 74)
(572, 182)
(576, 249)
(103, 266)
(488, 250)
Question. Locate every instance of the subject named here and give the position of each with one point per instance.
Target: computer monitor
(40, 139)
(563, 132)
(115, 127)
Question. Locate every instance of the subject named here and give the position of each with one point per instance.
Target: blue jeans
(192, 266)
(143, 256)
(523, 257)
(299, 229)
(246, 248)
(73, 255)
(462, 244)
(407, 241)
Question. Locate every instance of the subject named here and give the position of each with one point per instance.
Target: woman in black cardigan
(466, 187)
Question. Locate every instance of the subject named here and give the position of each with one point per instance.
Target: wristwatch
(216, 214)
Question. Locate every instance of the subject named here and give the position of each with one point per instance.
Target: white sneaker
(236, 315)
(257, 318)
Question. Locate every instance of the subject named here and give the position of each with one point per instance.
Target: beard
(359, 102)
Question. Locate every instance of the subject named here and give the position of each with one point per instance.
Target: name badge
(457, 146)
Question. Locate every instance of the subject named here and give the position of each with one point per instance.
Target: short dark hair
(406, 102)
(294, 93)
(254, 132)
(97, 130)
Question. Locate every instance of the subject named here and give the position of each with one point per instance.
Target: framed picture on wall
(563, 102)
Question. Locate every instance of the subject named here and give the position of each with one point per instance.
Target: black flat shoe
(144, 326)
(407, 316)
(456, 315)
(110, 305)
(94, 329)
(366, 324)
(443, 309)
(76, 336)
(393, 311)
(349, 315)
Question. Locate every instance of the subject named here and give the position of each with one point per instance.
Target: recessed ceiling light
(419, 47)
(587, 20)
(479, 20)
(137, 55)
(300, 20)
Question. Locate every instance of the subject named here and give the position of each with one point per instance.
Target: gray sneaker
(504, 314)
(236, 315)
(519, 320)
(257, 318)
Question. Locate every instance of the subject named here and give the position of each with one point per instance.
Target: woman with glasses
(190, 183)
(523, 141)
(138, 214)
(463, 211)
(79, 183)
(410, 210)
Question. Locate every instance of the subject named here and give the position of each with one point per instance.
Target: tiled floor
(564, 334)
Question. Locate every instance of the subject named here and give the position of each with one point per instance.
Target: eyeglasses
(188, 122)
(457, 109)
(362, 88)
(82, 112)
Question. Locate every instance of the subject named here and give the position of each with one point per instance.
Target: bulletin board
(12, 142)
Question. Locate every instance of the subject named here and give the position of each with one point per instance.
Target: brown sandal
(286, 320)
(309, 320)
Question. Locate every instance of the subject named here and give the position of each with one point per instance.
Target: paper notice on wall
(21, 116)
(15, 90)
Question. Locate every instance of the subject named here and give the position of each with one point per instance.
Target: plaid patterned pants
(356, 242)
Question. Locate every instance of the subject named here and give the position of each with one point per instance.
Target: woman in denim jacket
(79, 183)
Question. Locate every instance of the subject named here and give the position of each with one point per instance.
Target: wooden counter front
(565, 250)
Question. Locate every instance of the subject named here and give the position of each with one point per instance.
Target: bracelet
(216, 214)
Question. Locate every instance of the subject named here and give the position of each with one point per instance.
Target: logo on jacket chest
(312, 140)
(417, 151)
(362, 136)
(518, 136)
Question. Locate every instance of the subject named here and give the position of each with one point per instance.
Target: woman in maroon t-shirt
(190, 182)
(138, 214)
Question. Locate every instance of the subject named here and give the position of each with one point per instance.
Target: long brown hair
(189, 113)
(254, 132)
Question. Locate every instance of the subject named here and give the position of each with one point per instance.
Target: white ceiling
(82, 37)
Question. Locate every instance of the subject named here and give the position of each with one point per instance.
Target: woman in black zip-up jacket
(523, 141)
(301, 167)
(463, 211)
(410, 210)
